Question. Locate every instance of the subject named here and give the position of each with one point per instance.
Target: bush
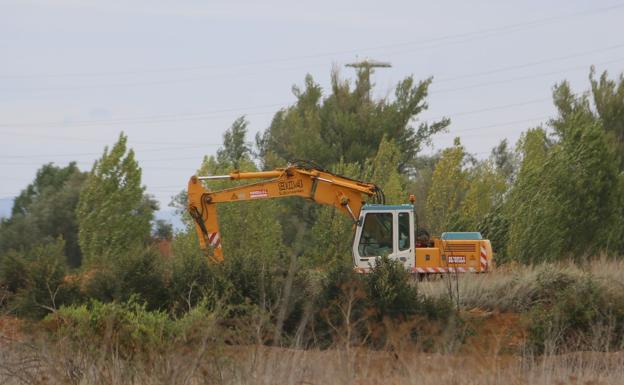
(379, 308)
(191, 281)
(129, 327)
(38, 280)
(141, 274)
(389, 290)
(13, 271)
(576, 314)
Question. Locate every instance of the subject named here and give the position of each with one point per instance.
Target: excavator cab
(384, 230)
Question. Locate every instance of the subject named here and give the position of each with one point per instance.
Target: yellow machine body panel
(462, 256)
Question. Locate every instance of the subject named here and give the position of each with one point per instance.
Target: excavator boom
(323, 187)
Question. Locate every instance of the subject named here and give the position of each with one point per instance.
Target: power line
(494, 108)
(454, 132)
(150, 119)
(210, 114)
(155, 82)
(472, 34)
(101, 141)
(98, 153)
(501, 124)
(147, 119)
(528, 64)
(534, 76)
(194, 79)
(461, 113)
(202, 116)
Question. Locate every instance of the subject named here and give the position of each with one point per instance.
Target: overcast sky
(173, 75)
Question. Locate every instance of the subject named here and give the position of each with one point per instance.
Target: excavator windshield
(376, 239)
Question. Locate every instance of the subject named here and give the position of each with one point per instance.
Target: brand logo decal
(290, 186)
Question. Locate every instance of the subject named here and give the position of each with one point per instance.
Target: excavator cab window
(376, 238)
(404, 232)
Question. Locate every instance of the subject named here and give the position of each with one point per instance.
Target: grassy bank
(542, 324)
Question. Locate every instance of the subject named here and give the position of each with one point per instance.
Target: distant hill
(6, 205)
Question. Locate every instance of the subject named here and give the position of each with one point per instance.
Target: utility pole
(366, 66)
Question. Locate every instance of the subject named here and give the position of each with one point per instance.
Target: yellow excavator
(380, 229)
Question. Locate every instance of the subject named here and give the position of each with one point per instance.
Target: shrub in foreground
(578, 314)
(37, 280)
(128, 327)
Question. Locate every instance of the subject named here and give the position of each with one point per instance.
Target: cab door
(404, 238)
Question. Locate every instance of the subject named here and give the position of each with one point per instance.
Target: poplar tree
(383, 171)
(113, 213)
(235, 150)
(565, 200)
(448, 184)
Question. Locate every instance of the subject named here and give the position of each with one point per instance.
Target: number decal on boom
(290, 187)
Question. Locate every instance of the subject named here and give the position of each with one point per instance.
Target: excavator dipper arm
(345, 194)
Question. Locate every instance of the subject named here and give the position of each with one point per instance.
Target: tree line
(558, 193)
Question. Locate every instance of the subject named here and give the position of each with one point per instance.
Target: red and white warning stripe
(484, 261)
(443, 270)
(428, 270)
(214, 239)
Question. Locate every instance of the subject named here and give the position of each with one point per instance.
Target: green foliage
(448, 185)
(140, 274)
(235, 149)
(504, 160)
(163, 230)
(44, 211)
(113, 213)
(463, 192)
(246, 227)
(326, 239)
(485, 191)
(13, 272)
(393, 293)
(575, 314)
(419, 184)
(129, 327)
(348, 124)
(191, 277)
(389, 289)
(563, 195)
(383, 170)
(608, 97)
(38, 280)
(494, 226)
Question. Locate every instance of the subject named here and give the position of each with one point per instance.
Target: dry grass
(493, 354)
(512, 287)
(43, 364)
